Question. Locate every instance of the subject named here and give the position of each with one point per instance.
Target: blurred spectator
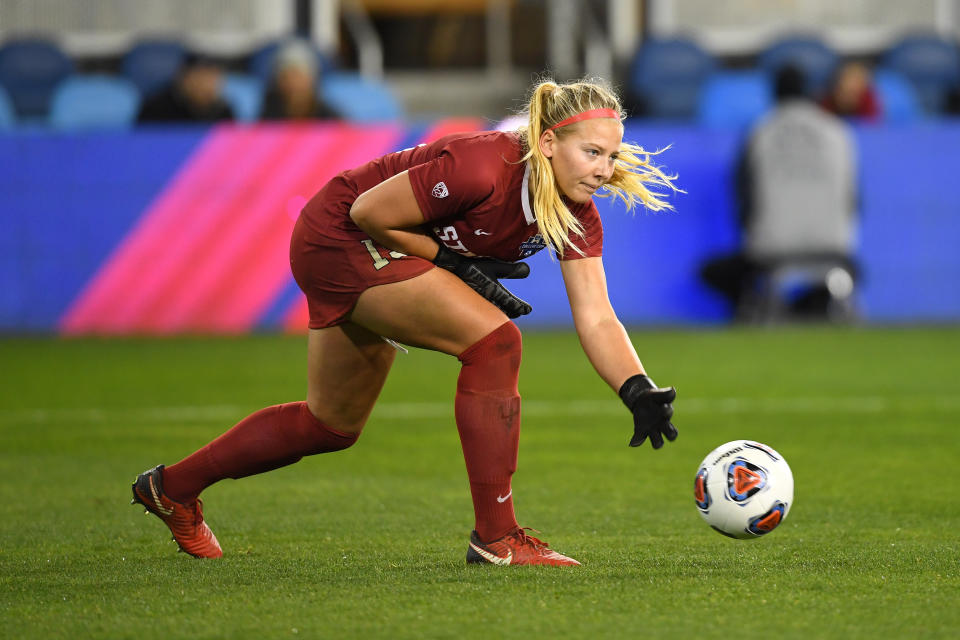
(951, 105)
(193, 96)
(796, 183)
(851, 93)
(294, 92)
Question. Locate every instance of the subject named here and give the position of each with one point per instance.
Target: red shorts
(333, 262)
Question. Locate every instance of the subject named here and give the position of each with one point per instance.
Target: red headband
(587, 115)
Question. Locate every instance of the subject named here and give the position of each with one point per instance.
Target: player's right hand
(652, 409)
(482, 275)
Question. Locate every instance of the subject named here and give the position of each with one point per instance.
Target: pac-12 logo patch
(440, 190)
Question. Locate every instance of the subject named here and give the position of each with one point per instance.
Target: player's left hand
(652, 409)
(483, 274)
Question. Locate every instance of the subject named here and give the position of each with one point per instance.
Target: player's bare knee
(337, 418)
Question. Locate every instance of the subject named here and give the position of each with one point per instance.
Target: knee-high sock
(268, 439)
(488, 419)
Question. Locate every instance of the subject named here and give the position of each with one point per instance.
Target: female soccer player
(365, 251)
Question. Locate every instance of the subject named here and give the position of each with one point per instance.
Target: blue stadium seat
(667, 75)
(244, 93)
(734, 99)
(930, 63)
(8, 118)
(358, 99)
(898, 100)
(94, 102)
(809, 53)
(30, 69)
(152, 64)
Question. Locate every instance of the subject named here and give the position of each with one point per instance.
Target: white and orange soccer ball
(744, 489)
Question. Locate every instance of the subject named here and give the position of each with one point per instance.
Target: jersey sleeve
(592, 241)
(458, 179)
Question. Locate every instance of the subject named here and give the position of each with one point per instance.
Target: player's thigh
(346, 368)
(434, 310)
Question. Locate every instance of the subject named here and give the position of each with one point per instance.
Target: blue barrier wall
(65, 203)
(68, 201)
(909, 235)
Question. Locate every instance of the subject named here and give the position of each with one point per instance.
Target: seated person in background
(294, 92)
(851, 93)
(796, 182)
(952, 104)
(193, 96)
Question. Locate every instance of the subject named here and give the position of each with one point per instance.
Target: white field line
(426, 410)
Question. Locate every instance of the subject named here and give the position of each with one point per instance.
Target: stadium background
(100, 224)
(90, 206)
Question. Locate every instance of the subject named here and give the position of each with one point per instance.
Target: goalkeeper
(411, 248)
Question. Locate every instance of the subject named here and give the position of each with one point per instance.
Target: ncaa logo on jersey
(440, 190)
(531, 245)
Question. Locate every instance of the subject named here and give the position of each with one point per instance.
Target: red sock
(268, 439)
(488, 419)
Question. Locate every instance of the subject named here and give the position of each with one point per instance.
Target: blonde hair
(633, 173)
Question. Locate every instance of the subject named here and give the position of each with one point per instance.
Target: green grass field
(371, 542)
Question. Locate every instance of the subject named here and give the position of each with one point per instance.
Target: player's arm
(390, 214)
(601, 334)
(610, 351)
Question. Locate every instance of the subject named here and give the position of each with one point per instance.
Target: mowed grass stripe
(419, 410)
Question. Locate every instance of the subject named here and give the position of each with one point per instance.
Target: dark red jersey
(472, 190)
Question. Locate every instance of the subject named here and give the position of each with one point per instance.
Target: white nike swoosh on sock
(505, 498)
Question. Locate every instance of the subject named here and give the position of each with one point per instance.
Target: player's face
(583, 159)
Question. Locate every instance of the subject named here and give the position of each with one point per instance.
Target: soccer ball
(743, 489)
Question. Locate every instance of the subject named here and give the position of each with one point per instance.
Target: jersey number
(448, 236)
(379, 262)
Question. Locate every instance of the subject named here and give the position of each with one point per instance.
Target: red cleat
(515, 548)
(184, 520)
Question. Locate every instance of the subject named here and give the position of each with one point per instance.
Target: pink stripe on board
(105, 300)
(265, 266)
(217, 228)
(170, 233)
(248, 265)
(211, 254)
(212, 209)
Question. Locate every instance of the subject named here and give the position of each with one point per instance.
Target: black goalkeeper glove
(481, 274)
(652, 410)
